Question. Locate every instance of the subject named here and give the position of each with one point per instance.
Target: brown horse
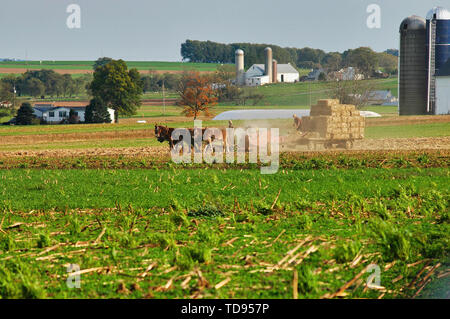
(164, 133)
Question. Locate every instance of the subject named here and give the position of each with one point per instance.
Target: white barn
(255, 75)
(54, 113)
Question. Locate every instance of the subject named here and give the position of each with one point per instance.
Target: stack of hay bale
(331, 120)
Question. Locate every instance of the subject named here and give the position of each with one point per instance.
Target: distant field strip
(87, 65)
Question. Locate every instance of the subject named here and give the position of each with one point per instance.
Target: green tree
(388, 62)
(97, 112)
(101, 62)
(25, 114)
(6, 91)
(34, 87)
(322, 77)
(6, 96)
(332, 61)
(364, 58)
(67, 84)
(117, 87)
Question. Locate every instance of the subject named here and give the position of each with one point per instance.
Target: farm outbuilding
(57, 112)
(314, 74)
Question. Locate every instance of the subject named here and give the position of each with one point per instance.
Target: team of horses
(163, 133)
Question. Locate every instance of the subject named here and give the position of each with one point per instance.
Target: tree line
(41, 83)
(363, 58)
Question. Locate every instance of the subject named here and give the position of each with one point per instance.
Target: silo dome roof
(268, 49)
(239, 51)
(440, 12)
(413, 23)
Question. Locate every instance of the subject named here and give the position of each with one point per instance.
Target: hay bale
(331, 120)
(328, 102)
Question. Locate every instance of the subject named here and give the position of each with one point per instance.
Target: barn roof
(281, 68)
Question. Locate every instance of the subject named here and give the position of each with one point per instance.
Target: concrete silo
(240, 72)
(438, 47)
(268, 65)
(413, 67)
(274, 71)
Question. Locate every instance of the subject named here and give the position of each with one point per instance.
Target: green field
(176, 233)
(408, 131)
(87, 65)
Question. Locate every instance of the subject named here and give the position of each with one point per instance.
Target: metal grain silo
(268, 65)
(240, 72)
(413, 67)
(438, 47)
(439, 20)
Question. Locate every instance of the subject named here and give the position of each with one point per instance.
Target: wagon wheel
(348, 144)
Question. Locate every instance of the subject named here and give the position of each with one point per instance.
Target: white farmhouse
(57, 112)
(346, 74)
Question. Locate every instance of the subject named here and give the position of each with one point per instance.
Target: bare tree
(353, 92)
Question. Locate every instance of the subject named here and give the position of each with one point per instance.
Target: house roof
(286, 68)
(71, 104)
(44, 107)
(380, 95)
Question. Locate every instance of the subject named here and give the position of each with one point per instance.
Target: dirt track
(407, 120)
(391, 144)
(74, 137)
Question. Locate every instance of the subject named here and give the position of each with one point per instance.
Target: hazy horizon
(140, 30)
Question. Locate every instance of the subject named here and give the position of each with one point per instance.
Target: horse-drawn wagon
(329, 125)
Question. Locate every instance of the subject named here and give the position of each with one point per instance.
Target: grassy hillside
(307, 93)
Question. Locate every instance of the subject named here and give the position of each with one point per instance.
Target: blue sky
(154, 30)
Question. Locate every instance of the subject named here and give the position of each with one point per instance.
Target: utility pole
(14, 96)
(309, 88)
(164, 99)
